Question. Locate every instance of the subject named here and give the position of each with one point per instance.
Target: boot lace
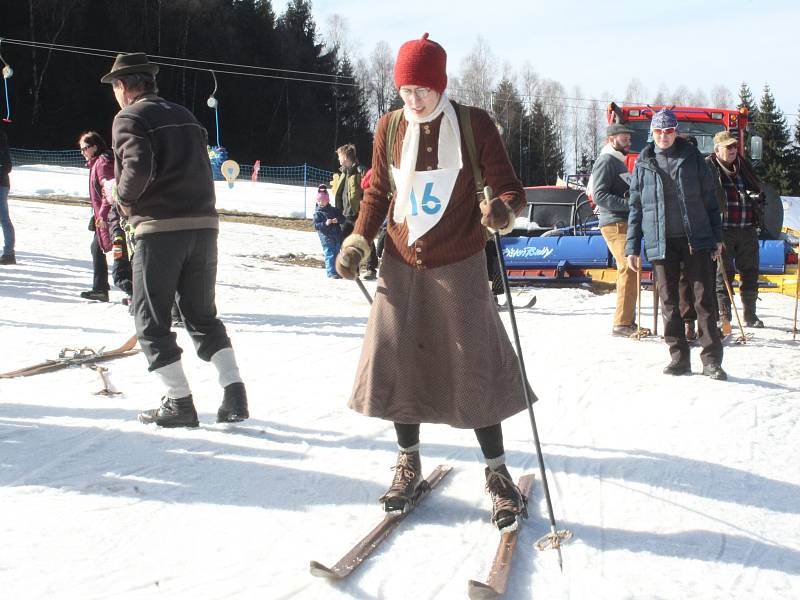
(404, 473)
(506, 496)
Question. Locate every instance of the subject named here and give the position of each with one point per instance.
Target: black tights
(490, 438)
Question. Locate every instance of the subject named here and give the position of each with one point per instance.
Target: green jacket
(346, 186)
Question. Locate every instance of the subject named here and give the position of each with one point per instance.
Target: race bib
(426, 201)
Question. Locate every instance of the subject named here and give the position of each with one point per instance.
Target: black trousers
(347, 229)
(699, 270)
(740, 254)
(182, 266)
(100, 267)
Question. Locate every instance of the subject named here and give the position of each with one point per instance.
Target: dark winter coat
(101, 169)
(332, 231)
(751, 184)
(164, 180)
(610, 186)
(696, 197)
(5, 160)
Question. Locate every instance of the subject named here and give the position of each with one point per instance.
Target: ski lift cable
(102, 52)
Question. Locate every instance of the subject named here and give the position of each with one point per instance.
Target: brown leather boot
(407, 476)
(507, 501)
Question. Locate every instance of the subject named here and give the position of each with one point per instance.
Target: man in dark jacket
(674, 207)
(8, 257)
(740, 199)
(165, 188)
(608, 188)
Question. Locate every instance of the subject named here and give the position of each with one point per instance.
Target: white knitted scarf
(449, 151)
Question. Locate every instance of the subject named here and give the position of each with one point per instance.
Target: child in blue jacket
(328, 222)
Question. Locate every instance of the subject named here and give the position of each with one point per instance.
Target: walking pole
(655, 301)
(639, 304)
(554, 538)
(363, 289)
(796, 298)
(742, 339)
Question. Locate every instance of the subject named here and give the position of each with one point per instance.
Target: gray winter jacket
(609, 185)
(698, 203)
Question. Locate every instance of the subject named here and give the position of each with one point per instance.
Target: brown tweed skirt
(435, 349)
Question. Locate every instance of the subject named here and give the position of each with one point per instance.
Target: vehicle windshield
(703, 132)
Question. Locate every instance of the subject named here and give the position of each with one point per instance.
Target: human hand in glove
(355, 248)
(496, 215)
(348, 261)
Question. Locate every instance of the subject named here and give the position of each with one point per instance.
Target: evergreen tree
(746, 100)
(547, 160)
(509, 113)
(352, 117)
(771, 126)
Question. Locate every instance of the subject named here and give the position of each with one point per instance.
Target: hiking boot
(407, 476)
(678, 366)
(751, 320)
(689, 329)
(714, 371)
(98, 295)
(173, 412)
(234, 404)
(507, 501)
(8, 259)
(371, 275)
(624, 330)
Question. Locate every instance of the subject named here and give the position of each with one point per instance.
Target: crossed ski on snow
(497, 579)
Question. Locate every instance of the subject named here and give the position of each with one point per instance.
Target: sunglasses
(420, 92)
(86, 147)
(665, 131)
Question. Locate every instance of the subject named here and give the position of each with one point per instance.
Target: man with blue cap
(673, 207)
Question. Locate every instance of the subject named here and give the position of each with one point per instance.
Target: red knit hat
(421, 62)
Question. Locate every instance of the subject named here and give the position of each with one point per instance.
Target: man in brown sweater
(172, 208)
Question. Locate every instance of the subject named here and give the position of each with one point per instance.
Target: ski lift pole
(553, 539)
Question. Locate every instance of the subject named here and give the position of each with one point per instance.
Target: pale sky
(601, 46)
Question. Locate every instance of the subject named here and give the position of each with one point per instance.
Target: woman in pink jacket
(101, 169)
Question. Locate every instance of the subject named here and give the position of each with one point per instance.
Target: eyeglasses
(665, 131)
(419, 93)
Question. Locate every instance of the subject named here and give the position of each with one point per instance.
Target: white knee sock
(225, 362)
(496, 463)
(174, 379)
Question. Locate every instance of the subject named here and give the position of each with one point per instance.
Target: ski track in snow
(674, 487)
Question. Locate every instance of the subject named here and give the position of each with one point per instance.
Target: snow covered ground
(273, 199)
(674, 487)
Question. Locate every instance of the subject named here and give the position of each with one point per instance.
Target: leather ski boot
(750, 318)
(407, 476)
(173, 412)
(234, 404)
(508, 503)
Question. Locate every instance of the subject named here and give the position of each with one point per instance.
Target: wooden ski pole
(655, 301)
(743, 338)
(363, 290)
(796, 298)
(639, 304)
(554, 538)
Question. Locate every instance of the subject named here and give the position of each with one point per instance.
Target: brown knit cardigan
(459, 234)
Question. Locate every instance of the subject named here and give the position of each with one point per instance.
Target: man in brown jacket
(172, 208)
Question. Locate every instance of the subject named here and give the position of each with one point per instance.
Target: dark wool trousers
(699, 270)
(182, 266)
(490, 438)
(740, 254)
(100, 267)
